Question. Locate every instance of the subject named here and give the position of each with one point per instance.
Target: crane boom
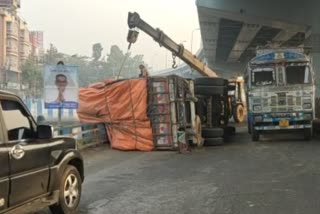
(134, 21)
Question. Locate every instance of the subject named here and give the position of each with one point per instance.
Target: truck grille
(283, 102)
(290, 100)
(282, 99)
(273, 101)
(298, 101)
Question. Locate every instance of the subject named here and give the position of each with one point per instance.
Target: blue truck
(280, 92)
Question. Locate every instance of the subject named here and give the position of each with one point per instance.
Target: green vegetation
(91, 70)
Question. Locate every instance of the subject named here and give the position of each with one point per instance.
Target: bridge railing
(86, 135)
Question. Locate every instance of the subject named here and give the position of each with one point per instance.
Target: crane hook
(174, 63)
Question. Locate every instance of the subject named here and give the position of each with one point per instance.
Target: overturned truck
(215, 107)
(144, 114)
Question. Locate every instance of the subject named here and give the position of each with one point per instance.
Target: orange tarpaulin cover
(122, 105)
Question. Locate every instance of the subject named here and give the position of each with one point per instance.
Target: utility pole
(192, 37)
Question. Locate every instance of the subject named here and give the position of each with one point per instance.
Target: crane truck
(215, 107)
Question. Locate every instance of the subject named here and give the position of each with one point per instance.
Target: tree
(99, 69)
(53, 56)
(97, 51)
(123, 64)
(31, 77)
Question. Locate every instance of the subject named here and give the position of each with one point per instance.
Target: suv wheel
(70, 192)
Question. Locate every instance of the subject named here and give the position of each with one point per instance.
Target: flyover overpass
(231, 30)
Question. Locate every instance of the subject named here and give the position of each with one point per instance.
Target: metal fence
(36, 107)
(86, 135)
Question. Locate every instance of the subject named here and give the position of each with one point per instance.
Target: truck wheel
(212, 132)
(238, 114)
(213, 141)
(255, 135)
(308, 134)
(207, 81)
(70, 192)
(210, 90)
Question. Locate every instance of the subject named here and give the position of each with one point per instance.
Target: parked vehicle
(37, 170)
(281, 92)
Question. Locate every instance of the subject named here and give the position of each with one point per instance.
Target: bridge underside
(231, 39)
(232, 29)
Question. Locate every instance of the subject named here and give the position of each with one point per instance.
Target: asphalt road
(279, 175)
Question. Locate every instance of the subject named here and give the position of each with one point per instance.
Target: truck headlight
(257, 108)
(307, 106)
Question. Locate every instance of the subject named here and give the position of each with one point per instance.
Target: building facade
(15, 45)
(37, 48)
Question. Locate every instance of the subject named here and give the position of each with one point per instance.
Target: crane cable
(123, 62)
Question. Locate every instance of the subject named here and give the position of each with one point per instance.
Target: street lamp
(192, 36)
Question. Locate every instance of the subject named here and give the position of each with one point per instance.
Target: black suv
(36, 170)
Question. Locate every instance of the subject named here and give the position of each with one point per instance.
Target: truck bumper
(291, 127)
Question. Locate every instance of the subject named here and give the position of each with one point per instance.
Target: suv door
(4, 173)
(29, 157)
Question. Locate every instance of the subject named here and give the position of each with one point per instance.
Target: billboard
(61, 87)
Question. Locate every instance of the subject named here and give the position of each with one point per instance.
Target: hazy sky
(74, 25)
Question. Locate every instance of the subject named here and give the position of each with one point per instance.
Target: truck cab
(37, 170)
(280, 92)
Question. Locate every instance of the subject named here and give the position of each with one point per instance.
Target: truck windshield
(298, 74)
(262, 77)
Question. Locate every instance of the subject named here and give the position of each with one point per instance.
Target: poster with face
(61, 87)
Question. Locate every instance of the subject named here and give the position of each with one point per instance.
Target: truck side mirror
(44, 132)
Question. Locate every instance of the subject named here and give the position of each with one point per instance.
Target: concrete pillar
(315, 42)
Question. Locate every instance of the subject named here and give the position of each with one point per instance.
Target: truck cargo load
(121, 104)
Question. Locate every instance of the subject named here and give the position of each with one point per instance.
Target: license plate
(284, 123)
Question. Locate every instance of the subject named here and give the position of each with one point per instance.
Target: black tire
(207, 81)
(210, 90)
(214, 141)
(255, 135)
(238, 113)
(62, 206)
(229, 131)
(308, 134)
(212, 132)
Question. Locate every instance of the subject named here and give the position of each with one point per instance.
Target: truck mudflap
(291, 127)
